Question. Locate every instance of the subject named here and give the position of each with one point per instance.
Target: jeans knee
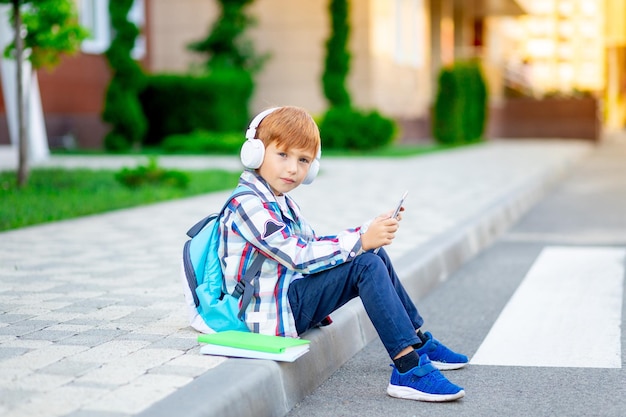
(368, 259)
(371, 265)
(382, 254)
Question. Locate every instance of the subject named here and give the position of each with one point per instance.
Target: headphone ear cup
(313, 170)
(252, 153)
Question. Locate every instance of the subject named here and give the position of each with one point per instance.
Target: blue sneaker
(423, 383)
(442, 358)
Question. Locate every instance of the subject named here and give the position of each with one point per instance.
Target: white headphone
(253, 149)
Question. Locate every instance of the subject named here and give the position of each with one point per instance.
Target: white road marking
(566, 313)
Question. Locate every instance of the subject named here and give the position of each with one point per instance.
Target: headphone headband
(251, 132)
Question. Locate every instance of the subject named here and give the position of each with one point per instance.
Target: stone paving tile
(9, 352)
(68, 366)
(97, 316)
(51, 335)
(41, 382)
(136, 396)
(110, 351)
(25, 343)
(94, 337)
(93, 413)
(10, 398)
(62, 401)
(10, 318)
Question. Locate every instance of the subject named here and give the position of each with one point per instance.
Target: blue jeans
(371, 277)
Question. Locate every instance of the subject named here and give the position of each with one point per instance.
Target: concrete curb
(240, 387)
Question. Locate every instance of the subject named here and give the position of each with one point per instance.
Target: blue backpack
(211, 308)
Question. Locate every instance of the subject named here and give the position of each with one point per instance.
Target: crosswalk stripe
(565, 313)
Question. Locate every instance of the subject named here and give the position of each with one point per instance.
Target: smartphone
(397, 210)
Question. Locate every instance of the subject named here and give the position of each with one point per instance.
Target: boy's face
(284, 169)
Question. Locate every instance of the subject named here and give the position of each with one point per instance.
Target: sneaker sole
(407, 393)
(445, 366)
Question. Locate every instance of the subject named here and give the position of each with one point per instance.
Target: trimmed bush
(151, 174)
(203, 142)
(348, 128)
(460, 108)
(474, 113)
(180, 104)
(123, 110)
(446, 129)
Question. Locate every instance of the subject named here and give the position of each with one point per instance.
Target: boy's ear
(313, 169)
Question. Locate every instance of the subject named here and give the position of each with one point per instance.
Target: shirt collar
(253, 180)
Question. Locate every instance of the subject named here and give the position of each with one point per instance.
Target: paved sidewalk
(91, 311)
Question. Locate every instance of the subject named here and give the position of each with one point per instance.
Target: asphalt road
(583, 215)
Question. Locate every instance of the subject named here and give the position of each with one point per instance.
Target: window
(94, 16)
(137, 15)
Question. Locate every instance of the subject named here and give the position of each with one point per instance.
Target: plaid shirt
(255, 225)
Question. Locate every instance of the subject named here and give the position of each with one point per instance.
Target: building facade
(397, 49)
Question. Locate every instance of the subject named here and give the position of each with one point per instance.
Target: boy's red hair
(290, 128)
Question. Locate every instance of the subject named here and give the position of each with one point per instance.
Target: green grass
(58, 194)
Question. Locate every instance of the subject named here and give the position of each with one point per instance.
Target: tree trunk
(22, 168)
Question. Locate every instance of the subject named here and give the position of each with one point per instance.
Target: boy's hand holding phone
(383, 228)
(380, 232)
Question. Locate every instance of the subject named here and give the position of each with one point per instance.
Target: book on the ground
(253, 345)
(289, 355)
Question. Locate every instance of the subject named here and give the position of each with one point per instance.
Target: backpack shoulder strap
(245, 286)
(196, 228)
(239, 191)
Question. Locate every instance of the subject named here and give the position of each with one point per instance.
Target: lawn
(58, 194)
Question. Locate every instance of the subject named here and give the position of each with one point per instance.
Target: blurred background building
(530, 49)
(564, 48)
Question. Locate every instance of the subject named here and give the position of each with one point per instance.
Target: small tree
(337, 64)
(46, 29)
(344, 126)
(230, 55)
(226, 46)
(122, 109)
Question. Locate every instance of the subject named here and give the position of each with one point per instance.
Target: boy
(306, 277)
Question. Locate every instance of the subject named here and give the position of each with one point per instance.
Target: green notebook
(252, 341)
